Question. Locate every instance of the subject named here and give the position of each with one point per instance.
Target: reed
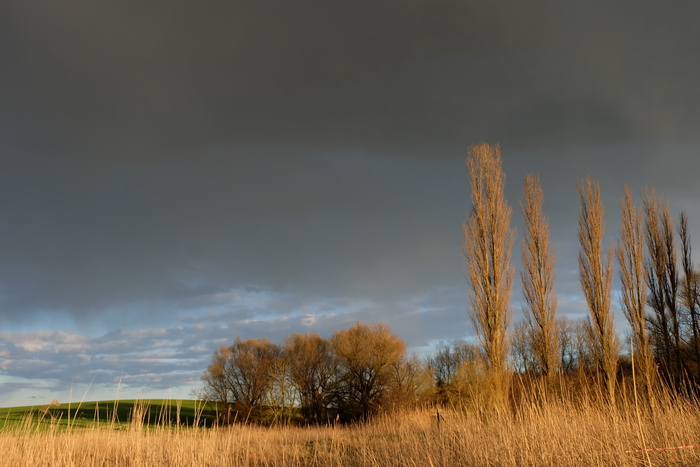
(562, 430)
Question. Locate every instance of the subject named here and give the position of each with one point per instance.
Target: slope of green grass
(156, 412)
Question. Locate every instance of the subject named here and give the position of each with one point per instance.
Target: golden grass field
(575, 432)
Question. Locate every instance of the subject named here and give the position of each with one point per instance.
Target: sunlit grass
(574, 431)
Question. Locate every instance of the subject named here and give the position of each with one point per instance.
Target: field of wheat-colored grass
(575, 432)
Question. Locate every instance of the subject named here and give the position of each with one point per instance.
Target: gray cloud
(163, 82)
(171, 359)
(155, 158)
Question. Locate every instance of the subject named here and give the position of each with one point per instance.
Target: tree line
(361, 370)
(310, 379)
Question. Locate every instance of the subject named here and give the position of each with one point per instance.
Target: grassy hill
(156, 412)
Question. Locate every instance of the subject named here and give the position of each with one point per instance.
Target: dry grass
(562, 433)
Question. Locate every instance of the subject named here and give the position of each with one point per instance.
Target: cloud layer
(155, 159)
(169, 360)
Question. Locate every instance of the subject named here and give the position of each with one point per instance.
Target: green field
(156, 412)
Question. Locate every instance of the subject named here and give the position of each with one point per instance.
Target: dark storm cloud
(128, 80)
(156, 155)
(163, 242)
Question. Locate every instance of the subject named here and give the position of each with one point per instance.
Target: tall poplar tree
(488, 240)
(663, 284)
(538, 280)
(596, 272)
(630, 258)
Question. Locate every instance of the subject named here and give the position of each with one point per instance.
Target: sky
(176, 174)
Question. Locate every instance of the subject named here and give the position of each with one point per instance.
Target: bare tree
(690, 292)
(538, 280)
(663, 283)
(576, 344)
(282, 395)
(313, 369)
(656, 279)
(366, 358)
(521, 348)
(242, 374)
(567, 348)
(673, 284)
(410, 382)
(596, 273)
(488, 239)
(630, 257)
(445, 367)
(446, 361)
(216, 378)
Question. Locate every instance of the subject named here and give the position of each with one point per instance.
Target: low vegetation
(571, 430)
